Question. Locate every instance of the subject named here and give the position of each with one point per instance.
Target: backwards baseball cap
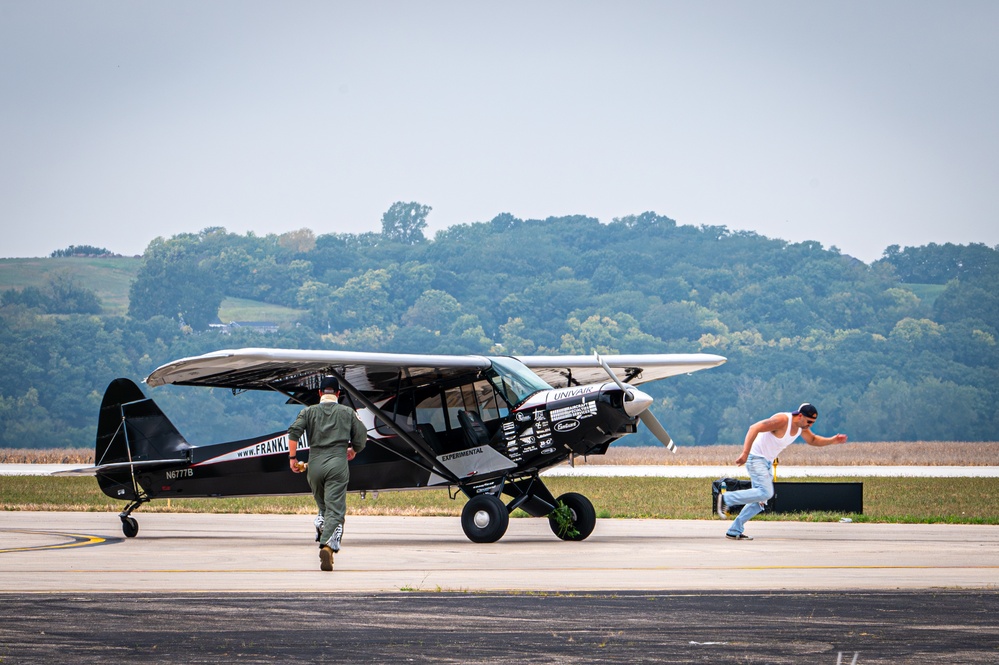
(329, 384)
(807, 410)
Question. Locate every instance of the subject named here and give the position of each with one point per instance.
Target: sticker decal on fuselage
(475, 461)
(272, 446)
(575, 412)
(581, 391)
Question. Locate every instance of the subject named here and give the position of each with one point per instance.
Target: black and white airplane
(482, 425)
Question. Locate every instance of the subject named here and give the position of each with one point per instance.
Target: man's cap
(329, 383)
(807, 410)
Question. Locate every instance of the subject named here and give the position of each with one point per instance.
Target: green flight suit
(329, 428)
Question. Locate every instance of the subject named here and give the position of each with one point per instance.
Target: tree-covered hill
(902, 349)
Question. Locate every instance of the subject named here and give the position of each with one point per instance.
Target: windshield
(513, 380)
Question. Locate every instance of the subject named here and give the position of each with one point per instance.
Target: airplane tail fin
(132, 431)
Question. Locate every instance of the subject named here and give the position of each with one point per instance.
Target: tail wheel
(484, 519)
(129, 527)
(581, 517)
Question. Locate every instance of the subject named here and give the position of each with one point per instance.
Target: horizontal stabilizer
(144, 465)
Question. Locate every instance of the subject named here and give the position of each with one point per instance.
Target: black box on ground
(817, 496)
(799, 497)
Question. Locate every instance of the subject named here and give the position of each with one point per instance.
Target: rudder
(132, 428)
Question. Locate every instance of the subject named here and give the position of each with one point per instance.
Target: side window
(442, 415)
(490, 405)
(431, 410)
(403, 412)
(459, 398)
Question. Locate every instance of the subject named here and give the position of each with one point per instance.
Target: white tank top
(769, 446)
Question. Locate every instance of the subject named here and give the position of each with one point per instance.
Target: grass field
(240, 309)
(902, 500)
(111, 279)
(910, 500)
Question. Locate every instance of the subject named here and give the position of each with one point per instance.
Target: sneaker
(318, 522)
(741, 536)
(325, 558)
(334, 541)
(722, 508)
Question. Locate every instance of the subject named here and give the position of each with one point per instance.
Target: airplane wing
(290, 370)
(635, 369)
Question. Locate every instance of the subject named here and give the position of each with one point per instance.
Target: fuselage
(542, 430)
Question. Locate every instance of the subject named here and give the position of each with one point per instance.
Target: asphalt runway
(210, 588)
(623, 627)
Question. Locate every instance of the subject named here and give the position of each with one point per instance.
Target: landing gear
(485, 518)
(576, 520)
(129, 526)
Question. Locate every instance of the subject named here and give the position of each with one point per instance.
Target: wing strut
(406, 436)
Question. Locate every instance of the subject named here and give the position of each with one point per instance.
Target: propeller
(637, 403)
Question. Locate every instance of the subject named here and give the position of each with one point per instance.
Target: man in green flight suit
(335, 435)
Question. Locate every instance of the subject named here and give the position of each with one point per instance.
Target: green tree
(177, 281)
(404, 222)
(69, 296)
(434, 310)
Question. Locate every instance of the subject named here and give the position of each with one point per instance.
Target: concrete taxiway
(81, 552)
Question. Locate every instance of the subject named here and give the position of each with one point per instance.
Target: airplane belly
(398, 474)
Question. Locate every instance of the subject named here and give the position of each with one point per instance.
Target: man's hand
(350, 453)
(296, 466)
(742, 459)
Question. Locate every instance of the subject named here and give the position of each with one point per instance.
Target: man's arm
(294, 434)
(292, 450)
(771, 424)
(813, 439)
(358, 438)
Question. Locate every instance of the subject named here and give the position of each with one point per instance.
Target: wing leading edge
(634, 369)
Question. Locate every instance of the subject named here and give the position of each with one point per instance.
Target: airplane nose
(635, 402)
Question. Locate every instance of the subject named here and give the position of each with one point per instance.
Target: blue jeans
(761, 474)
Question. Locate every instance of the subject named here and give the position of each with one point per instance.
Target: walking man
(335, 435)
(764, 442)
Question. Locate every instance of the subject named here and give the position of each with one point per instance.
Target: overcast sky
(856, 124)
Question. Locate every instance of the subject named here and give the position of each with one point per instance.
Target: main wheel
(484, 519)
(129, 527)
(581, 517)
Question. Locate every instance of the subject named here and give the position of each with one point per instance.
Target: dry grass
(889, 453)
(47, 456)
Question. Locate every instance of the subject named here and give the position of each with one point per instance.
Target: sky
(855, 124)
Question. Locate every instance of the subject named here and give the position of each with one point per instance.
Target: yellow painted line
(79, 540)
(913, 567)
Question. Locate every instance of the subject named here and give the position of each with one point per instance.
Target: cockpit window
(513, 380)
(503, 386)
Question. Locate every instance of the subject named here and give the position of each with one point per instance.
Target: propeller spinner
(637, 403)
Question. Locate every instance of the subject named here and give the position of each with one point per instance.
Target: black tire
(584, 518)
(484, 519)
(129, 527)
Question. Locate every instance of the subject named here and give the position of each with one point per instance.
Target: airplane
(484, 426)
